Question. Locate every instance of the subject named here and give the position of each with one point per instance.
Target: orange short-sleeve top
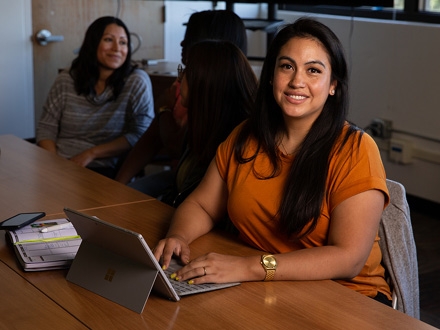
(253, 203)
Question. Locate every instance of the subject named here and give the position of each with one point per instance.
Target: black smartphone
(20, 220)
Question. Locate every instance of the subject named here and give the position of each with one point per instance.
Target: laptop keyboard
(183, 288)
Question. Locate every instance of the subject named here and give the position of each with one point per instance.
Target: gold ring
(204, 270)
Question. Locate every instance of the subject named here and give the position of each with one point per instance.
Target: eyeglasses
(180, 72)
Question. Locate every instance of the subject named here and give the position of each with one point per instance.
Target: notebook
(117, 264)
(37, 251)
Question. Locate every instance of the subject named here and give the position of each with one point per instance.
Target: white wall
(16, 69)
(395, 75)
(176, 14)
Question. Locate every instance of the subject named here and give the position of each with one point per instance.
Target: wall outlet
(400, 151)
(381, 128)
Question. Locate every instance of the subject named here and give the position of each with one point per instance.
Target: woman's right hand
(170, 246)
(84, 158)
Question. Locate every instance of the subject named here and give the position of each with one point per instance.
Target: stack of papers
(52, 249)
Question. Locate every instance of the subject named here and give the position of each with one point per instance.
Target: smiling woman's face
(302, 79)
(113, 47)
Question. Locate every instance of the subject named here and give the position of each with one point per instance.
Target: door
(70, 19)
(16, 88)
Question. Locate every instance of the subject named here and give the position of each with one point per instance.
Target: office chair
(399, 254)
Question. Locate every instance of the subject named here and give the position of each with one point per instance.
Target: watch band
(270, 274)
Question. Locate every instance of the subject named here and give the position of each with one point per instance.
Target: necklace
(285, 150)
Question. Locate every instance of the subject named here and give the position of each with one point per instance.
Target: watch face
(270, 262)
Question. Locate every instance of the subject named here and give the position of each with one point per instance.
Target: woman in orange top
(297, 180)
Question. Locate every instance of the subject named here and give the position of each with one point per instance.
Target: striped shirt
(77, 123)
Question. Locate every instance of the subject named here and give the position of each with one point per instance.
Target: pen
(56, 227)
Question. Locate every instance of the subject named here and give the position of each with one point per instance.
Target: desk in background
(254, 305)
(164, 73)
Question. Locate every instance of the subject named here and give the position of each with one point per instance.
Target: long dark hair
(85, 68)
(214, 24)
(305, 186)
(221, 90)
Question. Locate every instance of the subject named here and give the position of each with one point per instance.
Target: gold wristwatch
(269, 264)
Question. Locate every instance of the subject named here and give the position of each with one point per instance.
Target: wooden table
(25, 307)
(255, 305)
(33, 179)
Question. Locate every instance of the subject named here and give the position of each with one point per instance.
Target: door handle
(43, 37)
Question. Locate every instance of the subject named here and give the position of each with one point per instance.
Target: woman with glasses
(218, 87)
(167, 130)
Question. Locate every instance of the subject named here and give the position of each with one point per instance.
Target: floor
(425, 218)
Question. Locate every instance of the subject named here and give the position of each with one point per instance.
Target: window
(431, 5)
(426, 11)
(398, 4)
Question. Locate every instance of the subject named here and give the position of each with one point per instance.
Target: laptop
(117, 263)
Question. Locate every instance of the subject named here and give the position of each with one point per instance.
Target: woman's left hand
(218, 268)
